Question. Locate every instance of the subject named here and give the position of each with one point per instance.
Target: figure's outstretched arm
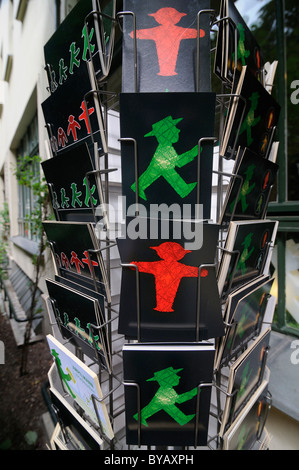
(187, 157)
(146, 267)
(145, 33)
(192, 33)
(187, 395)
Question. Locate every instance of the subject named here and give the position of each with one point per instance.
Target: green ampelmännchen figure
(246, 189)
(66, 378)
(250, 120)
(166, 398)
(166, 159)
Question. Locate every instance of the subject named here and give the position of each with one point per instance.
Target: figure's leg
(249, 137)
(243, 203)
(167, 57)
(178, 415)
(148, 411)
(151, 174)
(165, 294)
(178, 184)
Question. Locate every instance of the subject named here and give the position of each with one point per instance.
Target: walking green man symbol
(243, 436)
(250, 121)
(244, 380)
(165, 159)
(241, 325)
(242, 52)
(246, 189)
(64, 377)
(166, 397)
(246, 253)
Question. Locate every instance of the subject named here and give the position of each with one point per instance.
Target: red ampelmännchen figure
(167, 37)
(168, 273)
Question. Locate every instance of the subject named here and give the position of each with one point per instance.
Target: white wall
(21, 92)
(28, 38)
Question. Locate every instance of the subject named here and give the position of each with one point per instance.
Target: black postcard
(81, 319)
(173, 290)
(74, 185)
(248, 51)
(246, 322)
(161, 397)
(245, 376)
(246, 253)
(252, 118)
(162, 150)
(76, 254)
(249, 188)
(166, 45)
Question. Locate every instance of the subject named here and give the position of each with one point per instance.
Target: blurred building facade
(25, 26)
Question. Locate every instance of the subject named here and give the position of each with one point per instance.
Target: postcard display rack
(178, 360)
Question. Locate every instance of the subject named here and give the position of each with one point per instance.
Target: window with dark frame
(26, 198)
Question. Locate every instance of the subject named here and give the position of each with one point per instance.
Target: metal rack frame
(97, 91)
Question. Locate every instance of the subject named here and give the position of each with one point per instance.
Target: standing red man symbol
(73, 124)
(168, 273)
(167, 37)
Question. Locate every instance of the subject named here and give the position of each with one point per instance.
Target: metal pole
(282, 99)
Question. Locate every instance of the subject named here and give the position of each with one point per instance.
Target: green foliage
(28, 175)
(266, 35)
(4, 234)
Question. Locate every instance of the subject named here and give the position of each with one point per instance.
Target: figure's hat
(164, 374)
(163, 126)
(170, 250)
(167, 15)
(254, 97)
